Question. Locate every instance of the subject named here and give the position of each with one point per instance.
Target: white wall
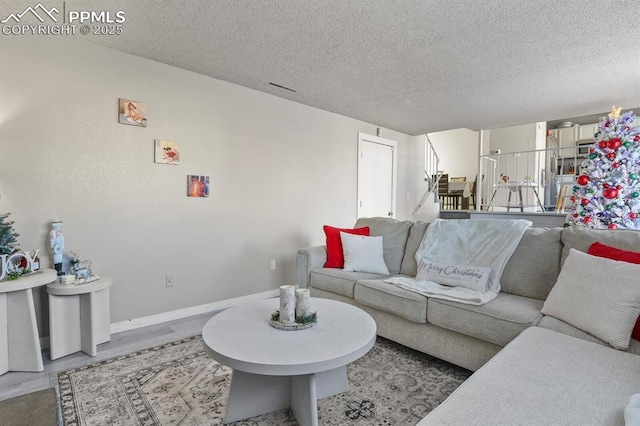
(279, 171)
(514, 138)
(411, 180)
(515, 162)
(458, 152)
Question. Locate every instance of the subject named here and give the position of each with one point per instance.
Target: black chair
(443, 191)
(474, 191)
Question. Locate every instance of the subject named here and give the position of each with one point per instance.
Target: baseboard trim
(132, 324)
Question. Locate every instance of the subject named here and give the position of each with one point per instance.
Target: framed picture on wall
(198, 186)
(166, 152)
(131, 112)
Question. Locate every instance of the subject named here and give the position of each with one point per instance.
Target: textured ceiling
(413, 66)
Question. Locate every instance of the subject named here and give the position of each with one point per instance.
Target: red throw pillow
(614, 253)
(335, 258)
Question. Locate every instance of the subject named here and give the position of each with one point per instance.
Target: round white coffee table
(275, 369)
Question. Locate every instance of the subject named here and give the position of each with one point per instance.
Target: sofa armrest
(308, 259)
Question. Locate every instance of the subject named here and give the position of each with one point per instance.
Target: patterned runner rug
(179, 384)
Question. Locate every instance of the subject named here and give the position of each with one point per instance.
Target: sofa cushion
(337, 280)
(394, 233)
(498, 321)
(581, 238)
(534, 266)
(555, 324)
(393, 299)
(416, 234)
(598, 295)
(544, 378)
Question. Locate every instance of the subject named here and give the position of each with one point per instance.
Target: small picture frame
(166, 152)
(197, 186)
(133, 113)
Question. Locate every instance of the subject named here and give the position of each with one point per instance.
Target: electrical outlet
(169, 280)
(272, 265)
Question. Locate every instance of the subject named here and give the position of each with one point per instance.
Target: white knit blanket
(466, 242)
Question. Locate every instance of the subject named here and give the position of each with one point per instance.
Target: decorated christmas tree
(607, 191)
(8, 241)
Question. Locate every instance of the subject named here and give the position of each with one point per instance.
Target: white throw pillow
(363, 254)
(597, 295)
(471, 277)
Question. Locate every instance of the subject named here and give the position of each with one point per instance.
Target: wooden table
(275, 369)
(19, 339)
(79, 317)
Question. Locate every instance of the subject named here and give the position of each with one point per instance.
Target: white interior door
(376, 176)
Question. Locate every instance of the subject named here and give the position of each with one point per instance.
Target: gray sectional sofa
(469, 336)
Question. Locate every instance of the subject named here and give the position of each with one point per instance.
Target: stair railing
(431, 173)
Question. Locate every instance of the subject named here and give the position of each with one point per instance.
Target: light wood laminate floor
(19, 383)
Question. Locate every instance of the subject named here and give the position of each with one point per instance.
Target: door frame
(366, 138)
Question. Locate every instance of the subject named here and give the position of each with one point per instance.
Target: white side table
(79, 317)
(19, 339)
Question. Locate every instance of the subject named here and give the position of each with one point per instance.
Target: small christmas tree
(8, 241)
(607, 192)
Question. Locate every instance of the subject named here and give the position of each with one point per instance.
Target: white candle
(303, 302)
(287, 304)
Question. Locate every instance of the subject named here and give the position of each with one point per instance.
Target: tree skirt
(179, 384)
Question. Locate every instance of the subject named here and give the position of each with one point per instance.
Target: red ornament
(607, 124)
(614, 143)
(605, 185)
(610, 193)
(576, 215)
(615, 165)
(602, 144)
(612, 226)
(611, 155)
(587, 219)
(633, 215)
(573, 198)
(618, 187)
(583, 179)
(636, 138)
(584, 202)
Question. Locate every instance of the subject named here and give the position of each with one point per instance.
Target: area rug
(179, 384)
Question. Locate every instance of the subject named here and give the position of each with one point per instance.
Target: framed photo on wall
(166, 152)
(198, 186)
(131, 112)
